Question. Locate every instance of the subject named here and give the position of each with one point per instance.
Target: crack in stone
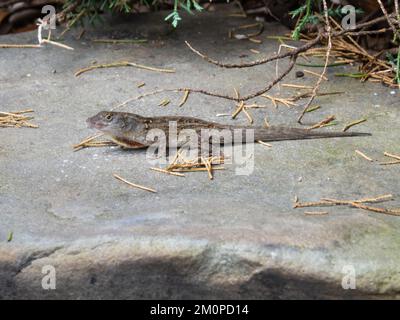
(36, 256)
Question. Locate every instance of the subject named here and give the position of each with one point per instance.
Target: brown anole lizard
(131, 130)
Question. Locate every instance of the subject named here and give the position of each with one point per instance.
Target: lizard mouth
(95, 124)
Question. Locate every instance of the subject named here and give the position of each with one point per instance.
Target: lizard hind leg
(127, 144)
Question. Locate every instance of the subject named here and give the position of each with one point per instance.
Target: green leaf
(177, 18)
(127, 8)
(298, 11)
(169, 16)
(103, 5)
(197, 6)
(187, 9)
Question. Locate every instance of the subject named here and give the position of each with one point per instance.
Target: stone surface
(233, 237)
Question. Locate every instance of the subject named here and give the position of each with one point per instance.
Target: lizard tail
(282, 133)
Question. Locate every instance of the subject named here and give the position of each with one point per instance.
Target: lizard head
(107, 121)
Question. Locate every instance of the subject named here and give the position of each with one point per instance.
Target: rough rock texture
(233, 237)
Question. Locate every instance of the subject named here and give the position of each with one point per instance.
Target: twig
(133, 184)
(215, 94)
(316, 213)
(4, 45)
(41, 23)
(184, 98)
(354, 203)
(249, 117)
(312, 109)
(16, 119)
(122, 64)
(390, 155)
(322, 123)
(293, 53)
(389, 163)
(238, 110)
(264, 143)
(328, 52)
(385, 197)
(347, 127)
(117, 41)
(287, 102)
(313, 204)
(266, 123)
(258, 41)
(392, 212)
(232, 34)
(88, 142)
(192, 169)
(315, 74)
(208, 167)
(333, 202)
(385, 13)
(164, 103)
(363, 155)
(296, 86)
(168, 172)
(57, 44)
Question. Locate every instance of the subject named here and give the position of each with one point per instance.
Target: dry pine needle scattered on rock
(93, 141)
(180, 164)
(122, 64)
(16, 119)
(360, 203)
(364, 155)
(133, 184)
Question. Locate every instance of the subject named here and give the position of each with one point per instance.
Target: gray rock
(233, 237)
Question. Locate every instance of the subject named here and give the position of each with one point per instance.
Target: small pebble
(299, 74)
(240, 36)
(393, 92)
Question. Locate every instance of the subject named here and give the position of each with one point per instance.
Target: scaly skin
(131, 130)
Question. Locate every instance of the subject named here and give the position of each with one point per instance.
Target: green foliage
(305, 12)
(93, 8)
(337, 12)
(398, 67)
(174, 15)
(395, 62)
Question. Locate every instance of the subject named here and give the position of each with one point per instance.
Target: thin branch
(293, 53)
(122, 64)
(328, 53)
(385, 13)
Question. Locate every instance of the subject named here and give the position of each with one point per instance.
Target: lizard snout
(94, 123)
(90, 123)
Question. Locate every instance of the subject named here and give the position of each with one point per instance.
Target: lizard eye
(109, 117)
